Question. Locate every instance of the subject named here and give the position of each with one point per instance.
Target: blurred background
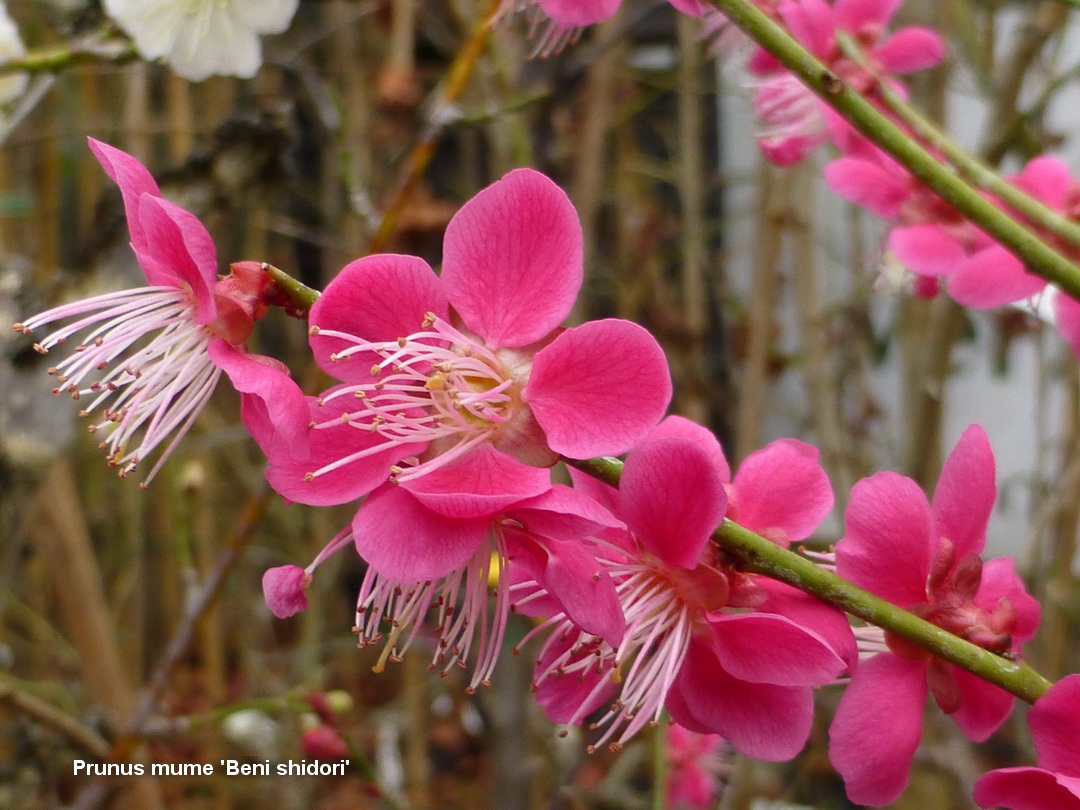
(132, 621)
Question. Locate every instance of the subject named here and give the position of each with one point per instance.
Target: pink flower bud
(323, 742)
(284, 590)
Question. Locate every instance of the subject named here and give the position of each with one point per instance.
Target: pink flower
(930, 238)
(993, 277)
(577, 13)
(745, 673)
(421, 562)
(150, 357)
(696, 763)
(448, 566)
(795, 121)
(460, 387)
(554, 23)
(981, 274)
(925, 558)
(1054, 721)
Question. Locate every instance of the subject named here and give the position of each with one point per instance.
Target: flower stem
(755, 554)
(301, 297)
(1037, 256)
(101, 46)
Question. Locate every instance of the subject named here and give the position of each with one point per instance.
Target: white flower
(201, 38)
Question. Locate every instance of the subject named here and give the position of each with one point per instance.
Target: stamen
(432, 385)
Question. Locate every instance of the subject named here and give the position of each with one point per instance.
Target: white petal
(221, 47)
(265, 16)
(152, 26)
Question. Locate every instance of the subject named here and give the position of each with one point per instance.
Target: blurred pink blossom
(1054, 721)
(696, 766)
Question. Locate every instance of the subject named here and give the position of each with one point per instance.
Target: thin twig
(440, 116)
(441, 113)
(56, 719)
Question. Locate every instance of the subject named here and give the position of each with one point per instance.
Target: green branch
(101, 46)
(758, 555)
(1037, 256)
(969, 167)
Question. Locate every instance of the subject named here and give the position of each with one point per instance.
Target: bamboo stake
(61, 531)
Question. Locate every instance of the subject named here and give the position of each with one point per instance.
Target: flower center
(437, 386)
(664, 607)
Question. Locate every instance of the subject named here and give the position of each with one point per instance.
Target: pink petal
(928, 250)
(762, 63)
(406, 542)
(563, 697)
(376, 298)
(983, 706)
(888, 540)
(965, 493)
(1055, 726)
(599, 388)
(1067, 318)
(180, 248)
(272, 406)
(877, 728)
(483, 482)
(681, 427)
(289, 476)
(670, 499)
(909, 50)
(811, 22)
(789, 150)
(604, 494)
(808, 611)
(563, 513)
(576, 13)
(695, 8)
(284, 590)
(571, 574)
(134, 181)
(868, 185)
(1047, 179)
(682, 713)
(865, 15)
(1000, 580)
(763, 721)
(760, 648)
(992, 278)
(782, 486)
(512, 262)
(1027, 789)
